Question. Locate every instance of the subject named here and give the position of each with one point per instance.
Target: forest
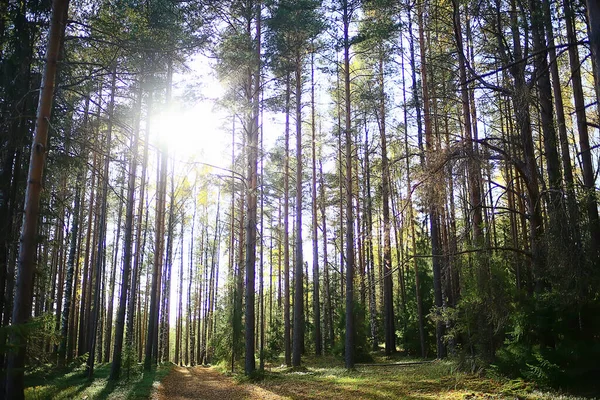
(368, 180)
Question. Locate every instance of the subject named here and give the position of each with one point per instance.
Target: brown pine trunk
(139, 253)
(410, 189)
(433, 208)
(286, 239)
(369, 250)
(127, 241)
(113, 274)
(315, 237)
(151, 338)
(252, 182)
(582, 128)
(298, 338)
(329, 328)
(350, 330)
(24, 289)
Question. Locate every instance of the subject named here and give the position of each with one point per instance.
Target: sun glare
(191, 134)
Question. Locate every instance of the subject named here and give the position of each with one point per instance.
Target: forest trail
(207, 383)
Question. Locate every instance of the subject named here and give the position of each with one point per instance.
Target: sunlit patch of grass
(73, 384)
(326, 378)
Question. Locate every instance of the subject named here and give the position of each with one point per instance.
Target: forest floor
(73, 384)
(207, 383)
(318, 378)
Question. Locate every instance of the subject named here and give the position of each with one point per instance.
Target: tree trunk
(433, 211)
(350, 330)
(286, 239)
(582, 128)
(127, 241)
(24, 289)
(62, 349)
(315, 237)
(252, 181)
(159, 223)
(593, 12)
(299, 264)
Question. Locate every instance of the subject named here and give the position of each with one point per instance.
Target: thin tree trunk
(151, 342)
(127, 241)
(101, 250)
(350, 330)
(433, 212)
(299, 264)
(315, 222)
(111, 290)
(252, 181)
(582, 128)
(286, 240)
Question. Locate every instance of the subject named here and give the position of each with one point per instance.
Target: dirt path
(206, 383)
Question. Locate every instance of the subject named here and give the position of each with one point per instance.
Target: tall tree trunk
(115, 265)
(252, 181)
(388, 293)
(151, 342)
(369, 249)
(593, 12)
(350, 329)
(433, 208)
(315, 222)
(66, 312)
(101, 250)
(582, 128)
(24, 289)
(286, 239)
(299, 263)
(139, 251)
(127, 240)
(329, 328)
(190, 342)
(416, 99)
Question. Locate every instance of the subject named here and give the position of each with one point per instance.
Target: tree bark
(127, 241)
(350, 329)
(27, 250)
(315, 237)
(298, 339)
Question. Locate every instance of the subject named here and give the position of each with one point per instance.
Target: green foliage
(361, 342)
(408, 322)
(226, 339)
(293, 24)
(275, 342)
(40, 334)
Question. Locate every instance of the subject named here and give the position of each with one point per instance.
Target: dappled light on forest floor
(207, 383)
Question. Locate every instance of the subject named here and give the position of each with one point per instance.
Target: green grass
(72, 384)
(326, 378)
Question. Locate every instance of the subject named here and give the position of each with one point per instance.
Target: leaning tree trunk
(24, 290)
